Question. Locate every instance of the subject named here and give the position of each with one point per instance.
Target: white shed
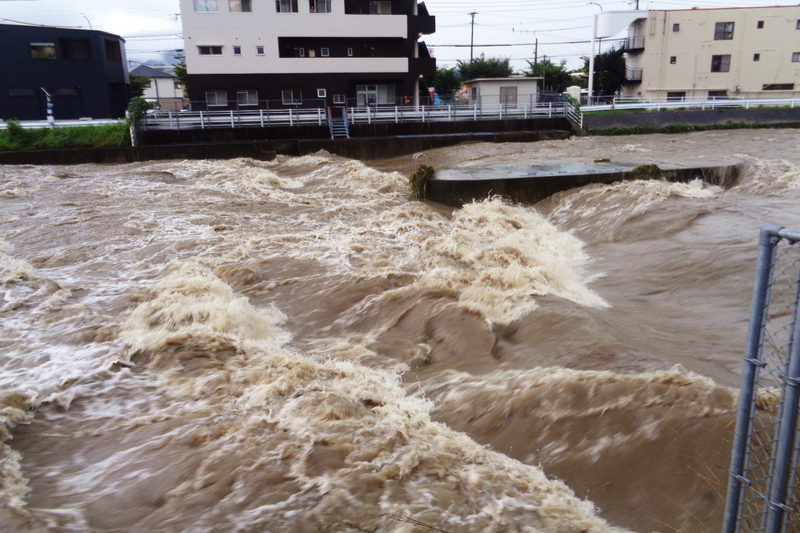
(512, 92)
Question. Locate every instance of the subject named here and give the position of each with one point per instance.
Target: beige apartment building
(715, 53)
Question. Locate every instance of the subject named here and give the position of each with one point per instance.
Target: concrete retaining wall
(656, 120)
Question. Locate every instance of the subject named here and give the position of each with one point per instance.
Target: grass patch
(682, 128)
(418, 182)
(15, 138)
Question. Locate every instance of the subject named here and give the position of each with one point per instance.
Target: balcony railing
(633, 74)
(634, 43)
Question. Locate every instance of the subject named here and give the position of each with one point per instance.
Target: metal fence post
(753, 363)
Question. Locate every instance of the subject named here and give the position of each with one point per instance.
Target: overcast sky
(561, 26)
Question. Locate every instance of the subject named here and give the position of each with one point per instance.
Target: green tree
(446, 81)
(494, 67)
(556, 77)
(138, 84)
(180, 72)
(609, 71)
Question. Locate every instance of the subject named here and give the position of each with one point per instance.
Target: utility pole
(472, 36)
(536, 53)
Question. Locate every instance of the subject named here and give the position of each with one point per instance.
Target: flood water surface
(295, 346)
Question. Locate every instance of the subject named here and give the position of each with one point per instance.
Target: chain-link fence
(764, 490)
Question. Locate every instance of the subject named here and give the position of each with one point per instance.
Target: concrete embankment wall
(368, 141)
(655, 120)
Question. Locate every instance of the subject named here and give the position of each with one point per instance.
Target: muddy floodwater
(245, 346)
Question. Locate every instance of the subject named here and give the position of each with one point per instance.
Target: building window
(797, 26)
(292, 97)
(248, 97)
(218, 98)
(237, 50)
(380, 8)
(676, 27)
(259, 50)
(375, 94)
(210, 50)
(678, 96)
(286, 6)
(322, 93)
(319, 6)
(301, 52)
(721, 63)
(760, 25)
(673, 60)
(349, 52)
(795, 57)
(76, 49)
(717, 95)
(312, 52)
(240, 6)
(43, 50)
(148, 85)
(723, 31)
(66, 91)
(205, 6)
(325, 52)
(756, 57)
(778, 87)
(113, 51)
(22, 92)
(338, 99)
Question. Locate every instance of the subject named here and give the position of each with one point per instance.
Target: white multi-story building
(268, 53)
(715, 53)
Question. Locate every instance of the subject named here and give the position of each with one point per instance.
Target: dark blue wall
(100, 85)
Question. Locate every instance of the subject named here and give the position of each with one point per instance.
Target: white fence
(667, 103)
(177, 120)
(39, 124)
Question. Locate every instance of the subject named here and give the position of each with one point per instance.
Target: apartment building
(81, 73)
(272, 53)
(715, 53)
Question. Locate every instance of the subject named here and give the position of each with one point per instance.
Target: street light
(90, 24)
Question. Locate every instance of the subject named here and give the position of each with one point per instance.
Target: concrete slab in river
(532, 184)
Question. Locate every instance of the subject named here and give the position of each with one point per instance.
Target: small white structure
(510, 92)
(163, 89)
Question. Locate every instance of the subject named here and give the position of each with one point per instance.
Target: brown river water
(295, 346)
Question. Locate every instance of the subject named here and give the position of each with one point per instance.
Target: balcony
(634, 44)
(421, 25)
(424, 64)
(633, 75)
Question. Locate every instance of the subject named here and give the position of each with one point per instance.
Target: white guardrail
(176, 120)
(659, 104)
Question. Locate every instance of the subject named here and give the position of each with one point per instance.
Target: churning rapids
(242, 346)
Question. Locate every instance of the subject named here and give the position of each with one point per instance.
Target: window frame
(260, 50)
(322, 93)
(673, 60)
(379, 6)
(40, 47)
(67, 49)
(241, 6)
(778, 87)
(350, 52)
(756, 57)
(295, 97)
(760, 25)
(723, 31)
(721, 64)
(676, 27)
(207, 6)
(292, 4)
(325, 52)
(237, 50)
(216, 103)
(795, 57)
(339, 99)
(248, 102)
(314, 7)
(211, 49)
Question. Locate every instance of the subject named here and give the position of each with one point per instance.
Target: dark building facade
(83, 71)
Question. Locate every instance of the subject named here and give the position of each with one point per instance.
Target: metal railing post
(202, 125)
(261, 116)
(233, 123)
(753, 363)
(291, 118)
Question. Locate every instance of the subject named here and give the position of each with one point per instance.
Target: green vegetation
(16, 138)
(138, 84)
(418, 182)
(681, 128)
(647, 172)
(494, 67)
(446, 81)
(556, 77)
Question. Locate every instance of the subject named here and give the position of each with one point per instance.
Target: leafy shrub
(418, 182)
